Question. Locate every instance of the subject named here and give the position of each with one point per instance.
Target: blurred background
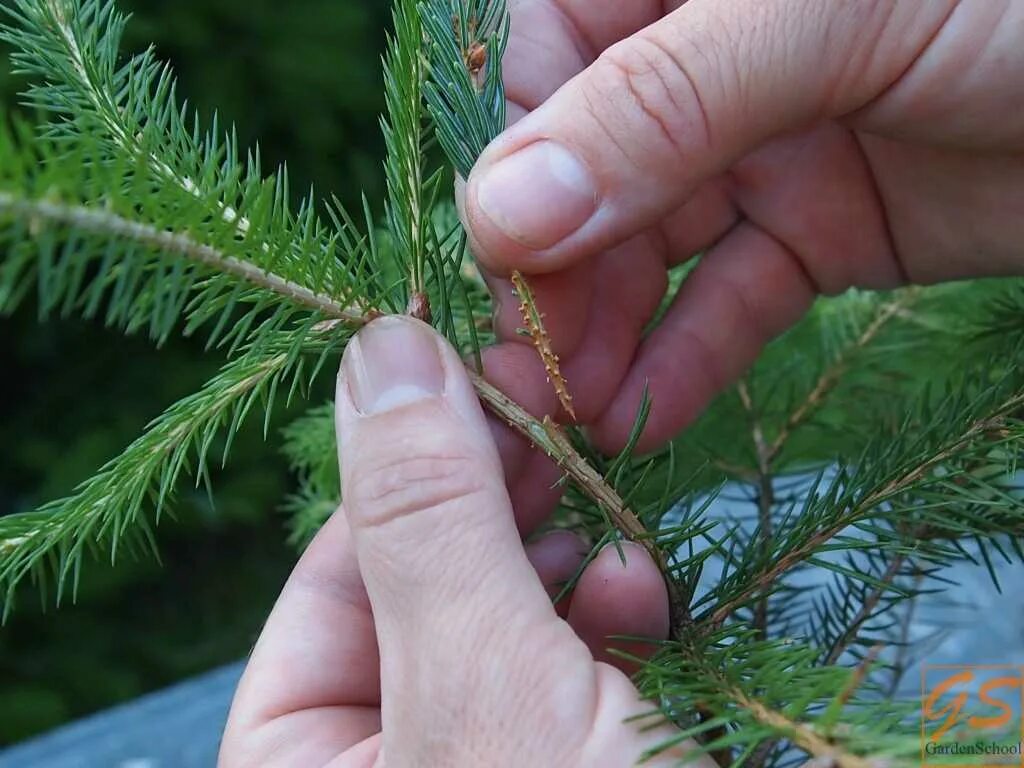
(303, 80)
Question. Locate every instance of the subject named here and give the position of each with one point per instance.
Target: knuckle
(644, 81)
(405, 485)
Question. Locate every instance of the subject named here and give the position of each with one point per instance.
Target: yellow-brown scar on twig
(534, 321)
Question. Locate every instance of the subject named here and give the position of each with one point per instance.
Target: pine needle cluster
(873, 447)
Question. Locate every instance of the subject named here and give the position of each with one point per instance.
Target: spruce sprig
(119, 506)
(129, 116)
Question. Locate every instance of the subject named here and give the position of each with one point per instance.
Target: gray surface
(178, 727)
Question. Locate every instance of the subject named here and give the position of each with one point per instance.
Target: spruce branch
(328, 314)
(109, 511)
(861, 505)
(764, 691)
(833, 373)
(404, 137)
(129, 116)
(69, 25)
(544, 433)
(547, 436)
(800, 734)
(110, 225)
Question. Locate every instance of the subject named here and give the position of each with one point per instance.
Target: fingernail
(539, 195)
(392, 362)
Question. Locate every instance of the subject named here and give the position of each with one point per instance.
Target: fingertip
(556, 556)
(621, 593)
(526, 201)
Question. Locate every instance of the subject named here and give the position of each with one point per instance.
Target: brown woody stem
(547, 436)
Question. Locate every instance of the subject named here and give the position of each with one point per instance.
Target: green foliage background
(302, 80)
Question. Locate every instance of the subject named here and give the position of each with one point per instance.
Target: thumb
(424, 492)
(629, 139)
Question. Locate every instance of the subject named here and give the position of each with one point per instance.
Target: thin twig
(800, 734)
(899, 664)
(547, 436)
(831, 376)
(765, 498)
(865, 611)
(533, 319)
(860, 673)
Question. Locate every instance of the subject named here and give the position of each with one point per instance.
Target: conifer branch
(109, 509)
(108, 224)
(765, 495)
(547, 436)
(727, 677)
(404, 136)
(831, 376)
(800, 734)
(130, 110)
(887, 489)
(105, 106)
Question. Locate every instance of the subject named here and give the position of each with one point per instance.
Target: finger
(436, 540)
(556, 557)
(744, 292)
(813, 226)
(536, 491)
(312, 682)
(551, 41)
(518, 371)
(562, 298)
(621, 593)
(631, 281)
(677, 103)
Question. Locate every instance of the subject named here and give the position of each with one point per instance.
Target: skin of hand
(802, 146)
(417, 629)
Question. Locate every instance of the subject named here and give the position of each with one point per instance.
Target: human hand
(804, 146)
(416, 630)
